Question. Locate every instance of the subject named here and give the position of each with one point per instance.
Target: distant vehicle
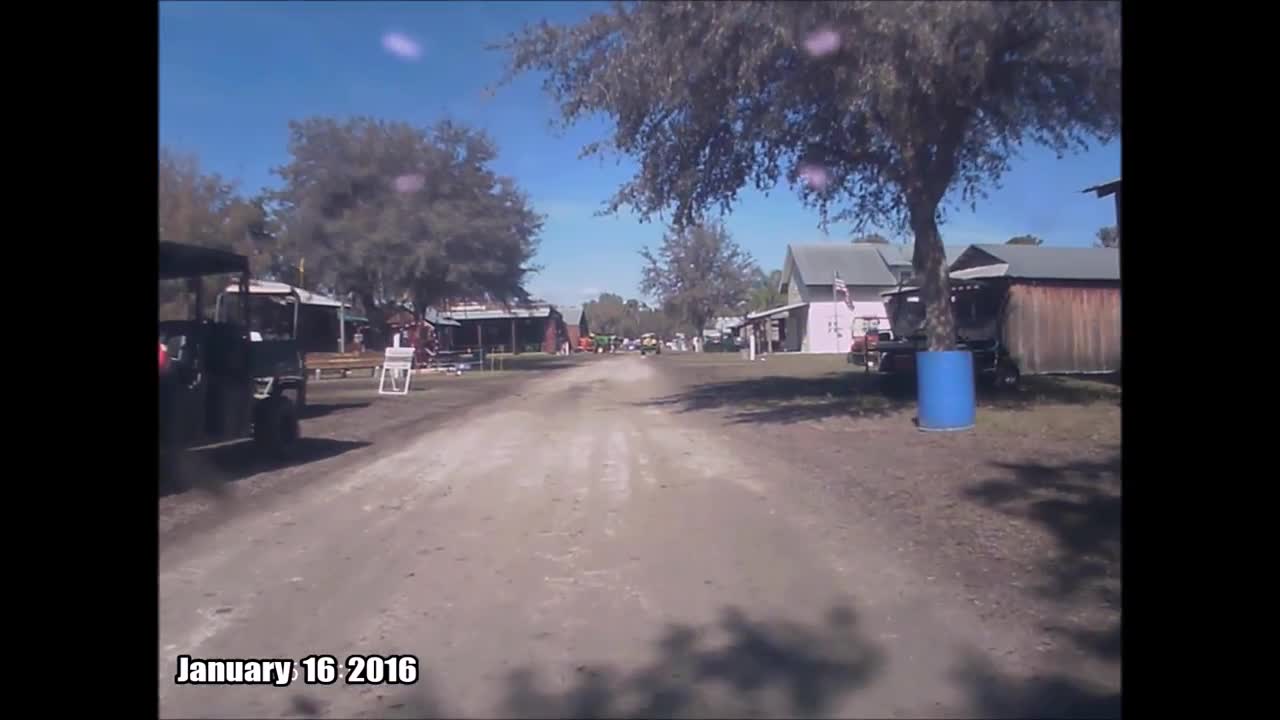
(649, 343)
(216, 383)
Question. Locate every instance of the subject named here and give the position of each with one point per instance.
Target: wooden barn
(1030, 309)
(494, 327)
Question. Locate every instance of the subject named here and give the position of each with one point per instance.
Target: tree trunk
(930, 263)
(377, 317)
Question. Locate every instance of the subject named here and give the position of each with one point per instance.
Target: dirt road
(578, 550)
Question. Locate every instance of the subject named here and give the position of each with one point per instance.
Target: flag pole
(835, 311)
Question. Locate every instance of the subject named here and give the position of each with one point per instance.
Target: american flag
(839, 288)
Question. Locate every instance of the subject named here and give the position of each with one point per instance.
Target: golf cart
(216, 384)
(649, 343)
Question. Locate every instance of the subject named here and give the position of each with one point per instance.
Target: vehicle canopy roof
(184, 261)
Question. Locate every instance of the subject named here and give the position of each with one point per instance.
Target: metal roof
(1038, 262)
(572, 315)
(434, 317)
(513, 313)
(982, 271)
(774, 311)
(900, 255)
(857, 264)
(306, 297)
(1105, 189)
(183, 261)
(957, 284)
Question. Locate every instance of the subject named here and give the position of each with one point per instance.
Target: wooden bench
(449, 360)
(343, 363)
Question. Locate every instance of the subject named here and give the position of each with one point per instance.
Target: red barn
(575, 326)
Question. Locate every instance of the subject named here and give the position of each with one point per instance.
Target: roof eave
(1104, 189)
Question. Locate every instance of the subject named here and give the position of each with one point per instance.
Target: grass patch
(800, 388)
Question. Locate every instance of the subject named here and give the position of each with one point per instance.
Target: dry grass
(825, 391)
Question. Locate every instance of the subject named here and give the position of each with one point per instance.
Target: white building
(817, 322)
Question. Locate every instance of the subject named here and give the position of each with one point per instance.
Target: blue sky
(232, 75)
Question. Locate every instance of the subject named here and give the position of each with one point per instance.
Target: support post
(342, 323)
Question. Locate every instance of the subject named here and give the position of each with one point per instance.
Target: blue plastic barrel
(945, 387)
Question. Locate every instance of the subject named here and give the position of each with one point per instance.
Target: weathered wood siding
(1058, 328)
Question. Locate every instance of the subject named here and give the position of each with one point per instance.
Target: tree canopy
(871, 239)
(203, 208)
(1024, 240)
(764, 291)
(395, 213)
(1108, 237)
(876, 110)
(697, 272)
(609, 314)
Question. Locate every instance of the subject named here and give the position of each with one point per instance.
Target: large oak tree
(879, 111)
(396, 213)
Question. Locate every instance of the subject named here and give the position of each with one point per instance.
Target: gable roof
(1034, 262)
(900, 255)
(572, 315)
(857, 264)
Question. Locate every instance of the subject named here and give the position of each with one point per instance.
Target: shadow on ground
(522, 365)
(212, 469)
(737, 668)
(1079, 505)
(317, 410)
(993, 695)
(790, 399)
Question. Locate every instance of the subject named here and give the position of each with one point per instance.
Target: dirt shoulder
(1021, 515)
(345, 425)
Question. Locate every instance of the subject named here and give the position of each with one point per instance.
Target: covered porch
(507, 330)
(775, 329)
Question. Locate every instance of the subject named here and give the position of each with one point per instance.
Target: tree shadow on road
(789, 399)
(319, 410)
(737, 668)
(1079, 504)
(783, 399)
(994, 695)
(212, 469)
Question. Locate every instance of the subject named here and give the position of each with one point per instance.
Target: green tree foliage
(764, 291)
(872, 238)
(878, 110)
(611, 315)
(1024, 240)
(395, 213)
(1108, 237)
(698, 271)
(199, 208)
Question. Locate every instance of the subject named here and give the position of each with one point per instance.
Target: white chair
(396, 360)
